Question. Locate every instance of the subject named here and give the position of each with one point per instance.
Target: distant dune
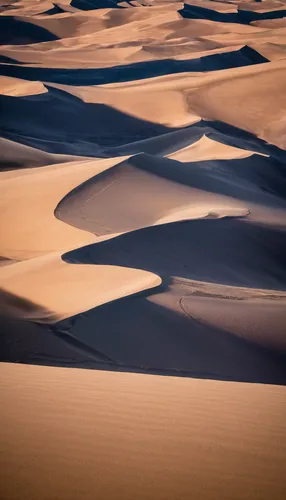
(143, 249)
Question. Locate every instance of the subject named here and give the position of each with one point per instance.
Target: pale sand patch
(72, 434)
(66, 289)
(17, 87)
(28, 202)
(208, 149)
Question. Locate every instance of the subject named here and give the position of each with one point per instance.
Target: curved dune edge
(16, 155)
(28, 202)
(17, 87)
(61, 290)
(191, 96)
(134, 194)
(208, 149)
(39, 192)
(155, 104)
(119, 56)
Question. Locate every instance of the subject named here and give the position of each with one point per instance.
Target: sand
(126, 435)
(143, 249)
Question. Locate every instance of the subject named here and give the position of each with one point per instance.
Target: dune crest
(79, 288)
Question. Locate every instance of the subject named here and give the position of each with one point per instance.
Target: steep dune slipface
(143, 229)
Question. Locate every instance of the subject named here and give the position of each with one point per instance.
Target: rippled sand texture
(143, 229)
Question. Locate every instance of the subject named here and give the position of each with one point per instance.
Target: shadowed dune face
(191, 348)
(169, 199)
(136, 71)
(199, 249)
(143, 173)
(56, 118)
(19, 32)
(243, 16)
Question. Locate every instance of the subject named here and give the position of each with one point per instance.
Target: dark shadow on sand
(55, 10)
(96, 4)
(250, 180)
(233, 136)
(7, 60)
(135, 335)
(136, 71)
(216, 130)
(228, 251)
(19, 32)
(217, 176)
(141, 336)
(240, 17)
(61, 123)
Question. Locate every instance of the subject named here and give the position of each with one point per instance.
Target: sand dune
(207, 149)
(264, 317)
(37, 194)
(121, 55)
(127, 120)
(168, 200)
(79, 288)
(143, 229)
(15, 87)
(178, 100)
(211, 243)
(16, 155)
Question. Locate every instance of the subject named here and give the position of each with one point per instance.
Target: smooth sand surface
(142, 249)
(37, 193)
(86, 434)
(16, 155)
(88, 286)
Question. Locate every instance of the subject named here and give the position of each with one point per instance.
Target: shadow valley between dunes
(135, 71)
(241, 16)
(154, 144)
(135, 335)
(227, 250)
(15, 31)
(189, 190)
(62, 123)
